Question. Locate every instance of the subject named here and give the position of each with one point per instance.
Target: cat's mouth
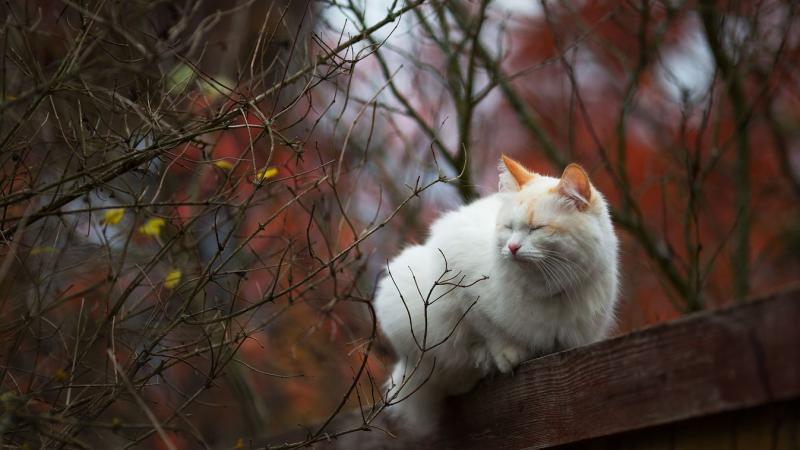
(529, 258)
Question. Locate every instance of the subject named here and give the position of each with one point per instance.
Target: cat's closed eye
(536, 227)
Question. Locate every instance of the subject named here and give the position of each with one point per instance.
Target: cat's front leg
(507, 355)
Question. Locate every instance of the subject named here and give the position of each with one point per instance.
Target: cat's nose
(513, 248)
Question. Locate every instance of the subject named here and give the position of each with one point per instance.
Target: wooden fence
(725, 379)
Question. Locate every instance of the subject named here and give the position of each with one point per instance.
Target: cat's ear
(575, 186)
(513, 175)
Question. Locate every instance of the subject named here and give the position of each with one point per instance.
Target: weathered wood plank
(775, 426)
(702, 364)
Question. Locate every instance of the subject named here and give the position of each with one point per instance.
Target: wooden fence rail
(701, 366)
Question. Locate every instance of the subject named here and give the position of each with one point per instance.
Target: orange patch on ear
(518, 171)
(575, 185)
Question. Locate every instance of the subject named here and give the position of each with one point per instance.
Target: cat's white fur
(558, 291)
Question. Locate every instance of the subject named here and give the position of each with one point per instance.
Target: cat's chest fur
(529, 315)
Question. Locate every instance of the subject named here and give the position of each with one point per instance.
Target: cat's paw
(508, 358)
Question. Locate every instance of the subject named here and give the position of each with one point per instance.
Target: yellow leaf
(219, 86)
(112, 216)
(152, 227)
(172, 279)
(223, 164)
(40, 250)
(179, 77)
(239, 444)
(60, 375)
(267, 173)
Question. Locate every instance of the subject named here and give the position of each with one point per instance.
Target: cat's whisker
(569, 270)
(544, 275)
(565, 270)
(564, 259)
(566, 279)
(560, 270)
(557, 279)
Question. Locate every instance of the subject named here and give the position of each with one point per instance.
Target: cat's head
(547, 219)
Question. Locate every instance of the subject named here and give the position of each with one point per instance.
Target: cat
(529, 270)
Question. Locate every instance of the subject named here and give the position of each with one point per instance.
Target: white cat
(529, 270)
